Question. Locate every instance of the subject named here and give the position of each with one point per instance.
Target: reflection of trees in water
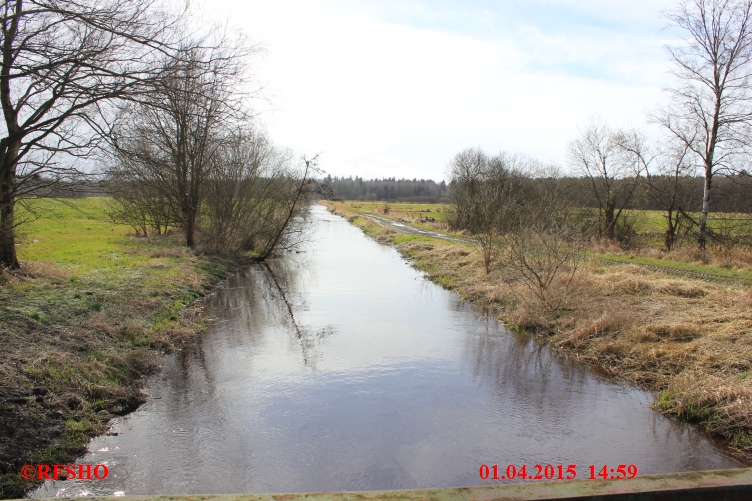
(241, 308)
(310, 340)
(187, 377)
(186, 373)
(524, 372)
(269, 273)
(245, 304)
(533, 382)
(300, 233)
(263, 295)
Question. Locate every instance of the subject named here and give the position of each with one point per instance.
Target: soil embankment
(687, 339)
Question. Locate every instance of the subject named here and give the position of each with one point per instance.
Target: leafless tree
(612, 171)
(62, 62)
(544, 256)
(292, 202)
(711, 110)
(168, 141)
(252, 195)
(669, 184)
(137, 203)
(466, 173)
(244, 173)
(488, 193)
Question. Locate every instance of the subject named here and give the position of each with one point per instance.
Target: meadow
(93, 305)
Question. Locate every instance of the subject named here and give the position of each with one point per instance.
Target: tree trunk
(701, 238)
(190, 228)
(610, 223)
(670, 231)
(7, 207)
(7, 236)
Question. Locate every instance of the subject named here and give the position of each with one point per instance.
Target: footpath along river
(341, 368)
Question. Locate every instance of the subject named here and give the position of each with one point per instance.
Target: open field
(440, 212)
(646, 221)
(82, 322)
(728, 265)
(689, 340)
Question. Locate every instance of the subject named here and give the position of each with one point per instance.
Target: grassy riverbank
(686, 339)
(82, 321)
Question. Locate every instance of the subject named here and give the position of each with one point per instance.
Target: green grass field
(440, 212)
(79, 239)
(77, 234)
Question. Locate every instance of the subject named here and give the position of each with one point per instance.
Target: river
(340, 367)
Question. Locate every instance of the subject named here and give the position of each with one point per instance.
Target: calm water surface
(341, 368)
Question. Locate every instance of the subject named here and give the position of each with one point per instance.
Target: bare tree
(169, 141)
(542, 256)
(252, 195)
(711, 110)
(613, 173)
(244, 173)
(62, 62)
(669, 183)
(488, 193)
(466, 173)
(137, 203)
(291, 203)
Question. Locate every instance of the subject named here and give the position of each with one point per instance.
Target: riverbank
(83, 321)
(687, 340)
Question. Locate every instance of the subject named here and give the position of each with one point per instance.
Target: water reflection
(341, 368)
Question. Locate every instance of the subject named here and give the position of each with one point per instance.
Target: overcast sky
(384, 88)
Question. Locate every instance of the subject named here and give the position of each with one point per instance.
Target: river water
(341, 368)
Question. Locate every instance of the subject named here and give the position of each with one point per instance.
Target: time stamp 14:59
(556, 472)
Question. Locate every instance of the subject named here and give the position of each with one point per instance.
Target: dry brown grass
(41, 269)
(34, 273)
(732, 258)
(689, 253)
(736, 258)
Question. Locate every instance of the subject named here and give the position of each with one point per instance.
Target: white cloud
(391, 98)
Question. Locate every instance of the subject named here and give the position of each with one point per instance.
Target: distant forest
(729, 193)
(387, 189)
